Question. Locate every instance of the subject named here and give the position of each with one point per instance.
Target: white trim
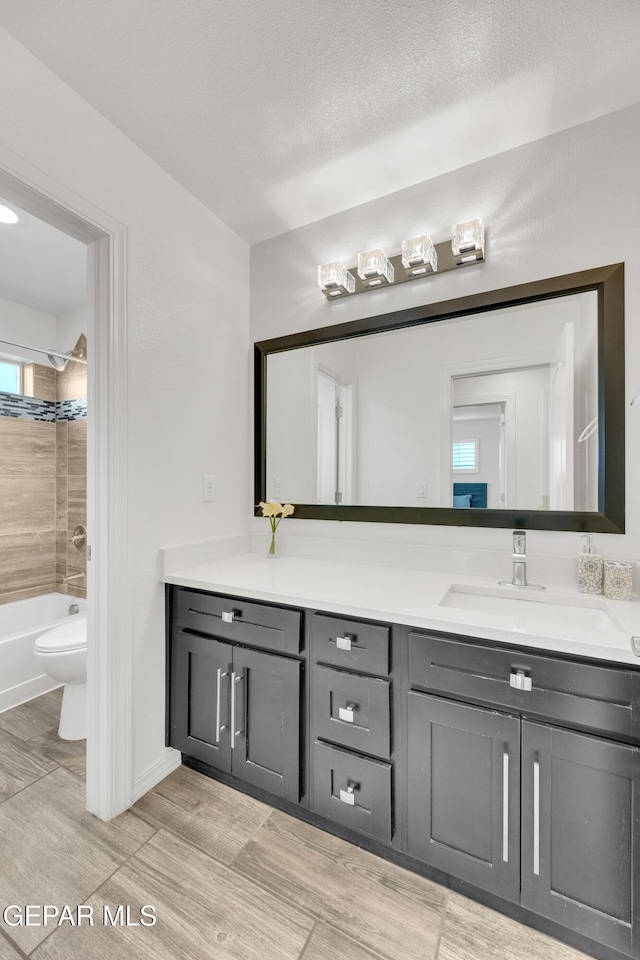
(23, 692)
(109, 744)
(155, 773)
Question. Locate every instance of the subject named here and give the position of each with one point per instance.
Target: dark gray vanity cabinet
(463, 813)
(514, 775)
(233, 707)
(580, 832)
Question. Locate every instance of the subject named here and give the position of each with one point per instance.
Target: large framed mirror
(503, 409)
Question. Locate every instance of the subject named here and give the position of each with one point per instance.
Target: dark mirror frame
(610, 518)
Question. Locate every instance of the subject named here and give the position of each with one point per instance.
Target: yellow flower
(275, 512)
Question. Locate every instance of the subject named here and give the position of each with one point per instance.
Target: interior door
(464, 792)
(580, 825)
(201, 671)
(265, 721)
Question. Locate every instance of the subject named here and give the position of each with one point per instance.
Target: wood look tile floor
(229, 878)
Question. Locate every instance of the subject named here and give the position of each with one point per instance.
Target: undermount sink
(544, 613)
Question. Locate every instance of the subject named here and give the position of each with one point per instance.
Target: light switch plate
(208, 489)
(421, 488)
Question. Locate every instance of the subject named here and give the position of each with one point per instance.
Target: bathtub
(21, 622)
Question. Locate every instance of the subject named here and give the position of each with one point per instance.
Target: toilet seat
(67, 637)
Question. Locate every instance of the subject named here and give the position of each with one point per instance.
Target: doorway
(109, 783)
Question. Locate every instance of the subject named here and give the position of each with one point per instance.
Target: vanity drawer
(352, 790)
(603, 699)
(245, 621)
(352, 644)
(352, 710)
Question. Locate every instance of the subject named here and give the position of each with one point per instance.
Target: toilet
(62, 653)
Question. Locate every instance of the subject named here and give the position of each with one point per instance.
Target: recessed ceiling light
(8, 216)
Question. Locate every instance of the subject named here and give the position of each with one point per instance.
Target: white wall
(555, 206)
(69, 326)
(25, 325)
(188, 345)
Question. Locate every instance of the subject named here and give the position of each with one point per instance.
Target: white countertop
(563, 620)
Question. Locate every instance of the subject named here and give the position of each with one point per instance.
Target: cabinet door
(201, 671)
(265, 721)
(580, 825)
(464, 792)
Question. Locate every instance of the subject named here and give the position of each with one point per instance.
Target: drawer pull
(344, 643)
(346, 713)
(229, 615)
(519, 680)
(536, 819)
(219, 675)
(348, 796)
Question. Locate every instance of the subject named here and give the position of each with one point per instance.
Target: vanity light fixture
(420, 257)
(467, 241)
(374, 269)
(335, 280)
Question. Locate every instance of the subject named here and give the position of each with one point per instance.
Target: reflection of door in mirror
(335, 438)
(478, 454)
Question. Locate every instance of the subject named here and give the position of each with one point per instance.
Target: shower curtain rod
(48, 353)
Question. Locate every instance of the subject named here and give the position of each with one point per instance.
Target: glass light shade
(467, 237)
(374, 268)
(335, 278)
(417, 254)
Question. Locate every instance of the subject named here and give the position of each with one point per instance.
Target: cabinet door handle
(505, 807)
(344, 643)
(346, 713)
(536, 818)
(348, 796)
(228, 615)
(234, 731)
(219, 675)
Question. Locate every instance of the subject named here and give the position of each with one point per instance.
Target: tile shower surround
(42, 483)
(46, 411)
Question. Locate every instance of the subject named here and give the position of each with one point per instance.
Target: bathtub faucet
(74, 576)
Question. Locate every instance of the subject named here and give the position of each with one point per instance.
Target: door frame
(109, 662)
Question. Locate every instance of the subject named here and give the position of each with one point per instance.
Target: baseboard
(29, 690)
(154, 774)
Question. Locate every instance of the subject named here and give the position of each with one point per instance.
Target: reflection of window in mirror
(465, 456)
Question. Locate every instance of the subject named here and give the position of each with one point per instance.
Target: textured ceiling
(41, 267)
(279, 113)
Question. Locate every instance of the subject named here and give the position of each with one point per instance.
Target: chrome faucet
(519, 578)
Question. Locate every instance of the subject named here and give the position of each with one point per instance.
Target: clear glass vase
(272, 552)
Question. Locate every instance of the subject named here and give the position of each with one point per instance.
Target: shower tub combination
(21, 623)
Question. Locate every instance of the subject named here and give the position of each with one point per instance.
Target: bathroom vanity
(499, 759)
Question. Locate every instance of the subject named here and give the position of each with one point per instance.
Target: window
(10, 377)
(464, 456)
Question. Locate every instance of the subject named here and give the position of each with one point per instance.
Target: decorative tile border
(47, 411)
(71, 410)
(27, 408)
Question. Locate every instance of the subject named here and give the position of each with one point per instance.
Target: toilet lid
(68, 636)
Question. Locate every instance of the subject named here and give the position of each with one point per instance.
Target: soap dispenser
(590, 567)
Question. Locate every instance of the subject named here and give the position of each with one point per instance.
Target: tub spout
(74, 576)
